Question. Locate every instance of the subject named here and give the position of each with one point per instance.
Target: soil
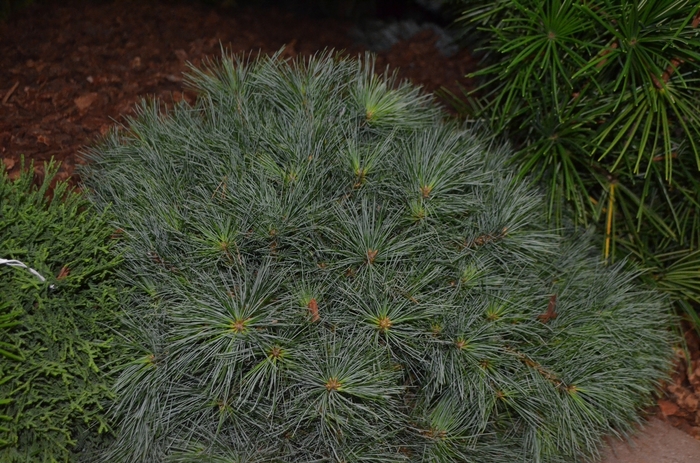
(657, 442)
(70, 69)
(680, 403)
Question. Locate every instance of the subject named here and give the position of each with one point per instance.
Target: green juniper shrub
(326, 270)
(55, 335)
(600, 100)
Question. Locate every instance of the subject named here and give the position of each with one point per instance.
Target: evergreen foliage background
(325, 270)
(600, 100)
(55, 336)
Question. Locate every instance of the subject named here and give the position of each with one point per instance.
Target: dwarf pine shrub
(325, 270)
(55, 335)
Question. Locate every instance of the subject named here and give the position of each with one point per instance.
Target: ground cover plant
(600, 100)
(324, 269)
(54, 334)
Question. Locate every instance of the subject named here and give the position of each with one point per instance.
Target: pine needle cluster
(326, 270)
(55, 335)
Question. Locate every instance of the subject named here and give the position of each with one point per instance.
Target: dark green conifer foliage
(325, 270)
(600, 99)
(55, 336)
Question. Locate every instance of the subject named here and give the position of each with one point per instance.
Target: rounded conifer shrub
(326, 270)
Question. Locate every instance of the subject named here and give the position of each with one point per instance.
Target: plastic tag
(16, 263)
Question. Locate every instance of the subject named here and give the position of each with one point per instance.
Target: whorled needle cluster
(326, 270)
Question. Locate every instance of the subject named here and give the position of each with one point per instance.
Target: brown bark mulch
(69, 70)
(680, 404)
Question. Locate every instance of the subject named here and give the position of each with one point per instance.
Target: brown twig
(546, 374)
(605, 52)
(662, 157)
(10, 92)
(675, 62)
(486, 239)
(666, 76)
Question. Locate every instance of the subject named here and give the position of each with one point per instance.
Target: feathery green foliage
(55, 336)
(325, 270)
(600, 99)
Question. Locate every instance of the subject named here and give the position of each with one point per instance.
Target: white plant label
(16, 263)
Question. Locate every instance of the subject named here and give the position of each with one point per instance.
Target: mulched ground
(680, 404)
(69, 70)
